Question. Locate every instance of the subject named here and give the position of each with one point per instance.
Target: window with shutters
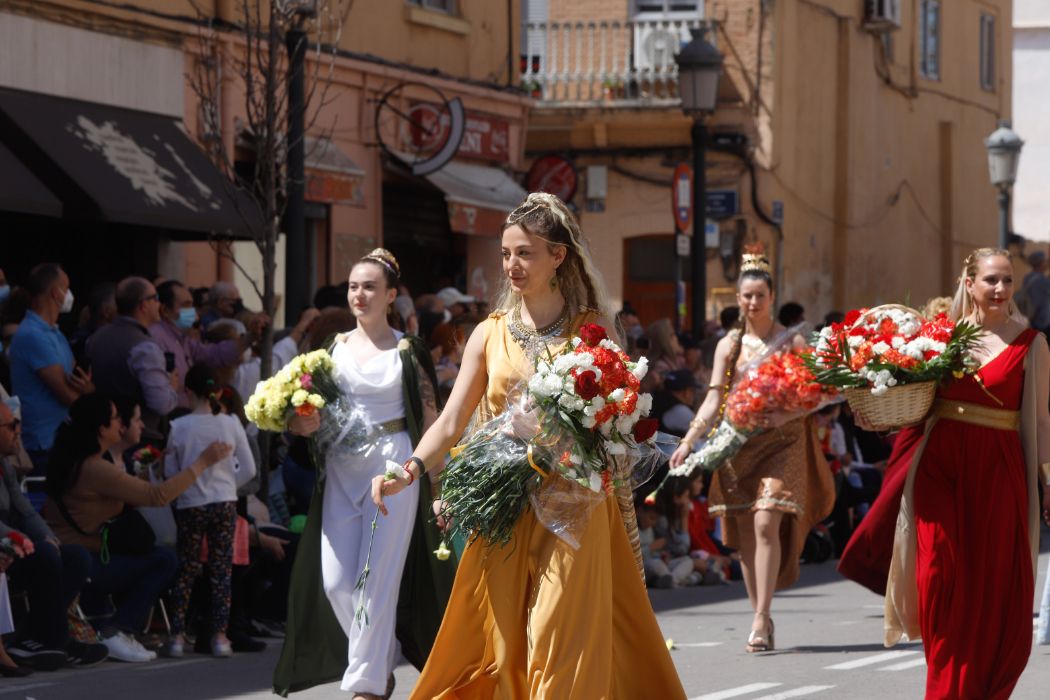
(930, 48)
(988, 52)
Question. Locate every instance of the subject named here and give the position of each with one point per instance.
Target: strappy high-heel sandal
(758, 642)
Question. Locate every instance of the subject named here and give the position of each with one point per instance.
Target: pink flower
(306, 382)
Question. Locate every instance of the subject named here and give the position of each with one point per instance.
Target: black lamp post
(296, 276)
(699, 67)
(1004, 153)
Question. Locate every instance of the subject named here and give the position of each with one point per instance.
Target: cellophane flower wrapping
(307, 385)
(574, 429)
(888, 346)
(772, 389)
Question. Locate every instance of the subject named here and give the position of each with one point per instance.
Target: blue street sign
(722, 204)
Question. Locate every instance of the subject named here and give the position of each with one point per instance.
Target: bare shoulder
(725, 345)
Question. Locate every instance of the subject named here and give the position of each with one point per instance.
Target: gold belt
(976, 414)
(390, 427)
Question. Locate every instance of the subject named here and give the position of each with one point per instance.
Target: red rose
(645, 429)
(592, 334)
(587, 385)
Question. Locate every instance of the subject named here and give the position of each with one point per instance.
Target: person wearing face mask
(42, 371)
(172, 334)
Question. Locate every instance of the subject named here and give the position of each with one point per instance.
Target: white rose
(588, 421)
(640, 368)
(617, 395)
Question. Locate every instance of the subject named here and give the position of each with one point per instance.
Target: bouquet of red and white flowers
(772, 389)
(143, 459)
(575, 429)
(891, 345)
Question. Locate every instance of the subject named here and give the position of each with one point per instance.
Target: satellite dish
(417, 126)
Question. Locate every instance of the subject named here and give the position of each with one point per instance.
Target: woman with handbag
(90, 503)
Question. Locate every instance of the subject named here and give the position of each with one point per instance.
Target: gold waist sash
(976, 414)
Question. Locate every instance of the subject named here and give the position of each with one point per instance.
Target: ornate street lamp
(1004, 153)
(699, 67)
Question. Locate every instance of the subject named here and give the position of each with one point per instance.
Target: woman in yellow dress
(779, 485)
(537, 618)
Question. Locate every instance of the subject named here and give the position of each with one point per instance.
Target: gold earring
(554, 282)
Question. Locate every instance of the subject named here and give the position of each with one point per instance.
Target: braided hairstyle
(754, 266)
(962, 304)
(546, 217)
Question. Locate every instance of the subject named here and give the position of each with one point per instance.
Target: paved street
(828, 631)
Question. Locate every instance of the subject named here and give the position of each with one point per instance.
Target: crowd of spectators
(105, 541)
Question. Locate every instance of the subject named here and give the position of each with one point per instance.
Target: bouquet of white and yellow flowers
(302, 387)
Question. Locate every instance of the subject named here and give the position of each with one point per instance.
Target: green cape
(315, 646)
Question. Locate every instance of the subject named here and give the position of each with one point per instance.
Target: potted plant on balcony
(612, 89)
(532, 88)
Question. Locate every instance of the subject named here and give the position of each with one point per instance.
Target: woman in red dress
(962, 575)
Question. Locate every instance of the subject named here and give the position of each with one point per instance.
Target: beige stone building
(862, 126)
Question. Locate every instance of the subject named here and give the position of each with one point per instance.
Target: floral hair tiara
(385, 258)
(542, 200)
(754, 260)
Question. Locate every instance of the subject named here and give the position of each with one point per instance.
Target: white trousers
(346, 526)
(1042, 631)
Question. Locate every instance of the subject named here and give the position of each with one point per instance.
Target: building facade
(397, 83)
(1031, 55)
(848, 138)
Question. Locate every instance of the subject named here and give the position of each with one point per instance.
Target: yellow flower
(300, 397)
(442, 552)
(404, 344)
(315, 400)
(670, 644)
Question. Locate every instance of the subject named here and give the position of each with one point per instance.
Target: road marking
(797, 692)
(166, 666)
(699, 644)
(914, 663)
(16, 688)
(736, 692)
(869, 660)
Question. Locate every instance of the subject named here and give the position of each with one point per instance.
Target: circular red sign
(554, 175)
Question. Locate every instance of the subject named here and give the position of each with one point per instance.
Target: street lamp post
(1004, 153)
(296, 275)
(699, 66)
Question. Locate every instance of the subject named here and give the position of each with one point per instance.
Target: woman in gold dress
(537, 618)
(779, 485)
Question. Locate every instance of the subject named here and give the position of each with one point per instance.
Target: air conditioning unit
(656, 44)
(882, 15)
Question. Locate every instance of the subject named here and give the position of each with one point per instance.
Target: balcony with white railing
(624, 63)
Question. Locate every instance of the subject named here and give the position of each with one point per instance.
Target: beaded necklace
(526, 337)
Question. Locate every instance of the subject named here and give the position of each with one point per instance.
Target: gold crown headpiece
(755, 260)
(385, 258)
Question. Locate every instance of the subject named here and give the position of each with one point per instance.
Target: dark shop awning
(21, 191)
(119, 165)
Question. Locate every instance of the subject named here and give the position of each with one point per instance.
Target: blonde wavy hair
(962, 303)
(545, 216)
